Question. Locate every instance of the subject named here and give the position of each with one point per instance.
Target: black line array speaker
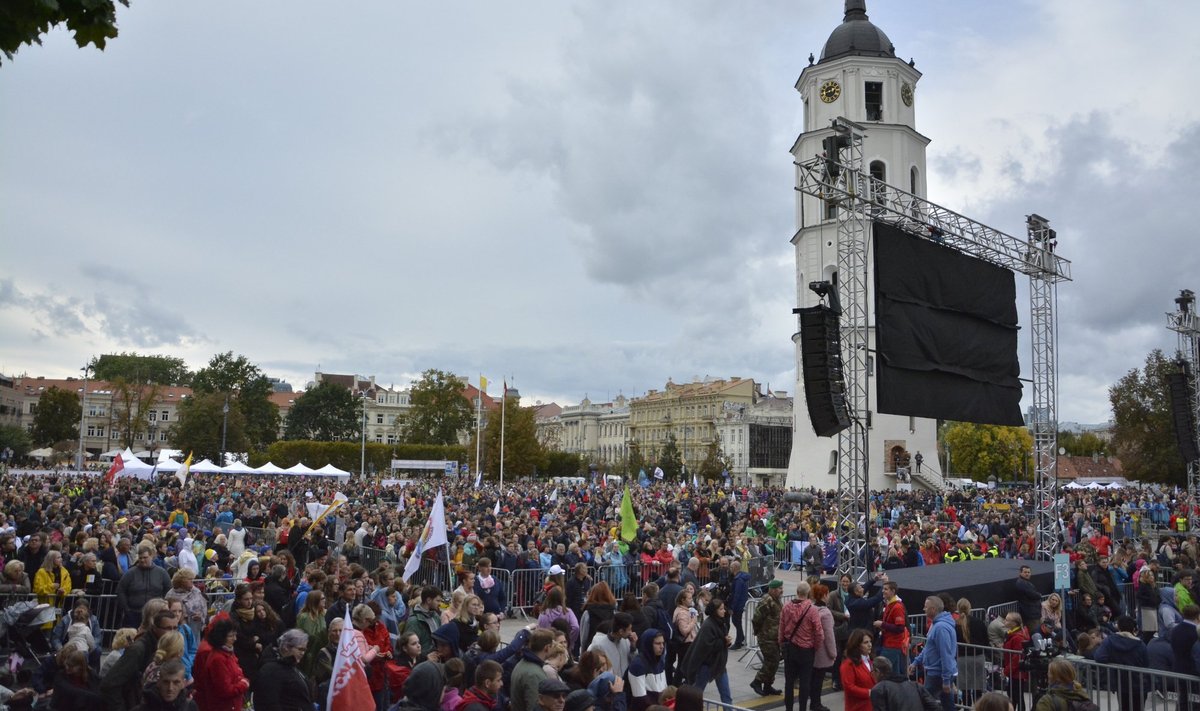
(1180, 385)
(821, 361)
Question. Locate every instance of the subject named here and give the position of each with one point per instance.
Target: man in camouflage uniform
(766, 629)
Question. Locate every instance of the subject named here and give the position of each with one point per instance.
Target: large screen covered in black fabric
(946, 333)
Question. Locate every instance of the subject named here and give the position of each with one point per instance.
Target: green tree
(523, 456)
(93, 22)
(327, 412)
(198, 427)
(131, 405)
(557, 463)
(137, 368)
(714, 462)
(16, 438)
(635, 462)
(670, 460)
(1143, 436)
(56, 418)
(982, 451)
(249, 391)
(438, 411)
(1082, 444)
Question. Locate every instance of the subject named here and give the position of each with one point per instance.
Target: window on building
(154, 415)
(879, 175)
(164, 415)
(379, 418)
(873, 93)
(91, 431)
(162, 436)
(100, 431)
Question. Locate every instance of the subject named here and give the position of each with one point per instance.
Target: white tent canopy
(300, 470)
(270, 468)
(330, 470)
(165, 466)
(206, 466)
(42, 453)
(239, 468)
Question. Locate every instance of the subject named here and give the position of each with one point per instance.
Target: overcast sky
(588, 198)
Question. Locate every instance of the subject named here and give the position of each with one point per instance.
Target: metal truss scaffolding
(837, 179)
(1043, 297)
(1184, 323)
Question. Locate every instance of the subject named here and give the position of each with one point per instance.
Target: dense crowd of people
(236, 590)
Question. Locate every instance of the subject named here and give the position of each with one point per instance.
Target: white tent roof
(206, 466)
(1094, 485)
(239, 468)
(110, 454)
(132, 463)
(270, 468)
(169, 465)
(330, 470)
(41, 453)
(300, 469)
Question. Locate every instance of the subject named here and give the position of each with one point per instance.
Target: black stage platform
(984, 582)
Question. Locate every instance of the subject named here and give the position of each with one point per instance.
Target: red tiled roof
(1086, 468)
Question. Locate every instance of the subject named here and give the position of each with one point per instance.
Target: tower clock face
(906, 94)
(830, 91)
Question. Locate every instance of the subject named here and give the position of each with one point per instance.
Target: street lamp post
(151, 431)
(362, 465)
(224, 428)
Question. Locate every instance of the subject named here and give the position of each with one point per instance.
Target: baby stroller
(21, 631)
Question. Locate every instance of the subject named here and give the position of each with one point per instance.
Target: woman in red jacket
(856, 672)
(219, 682)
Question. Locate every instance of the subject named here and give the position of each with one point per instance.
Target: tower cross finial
(855, 10)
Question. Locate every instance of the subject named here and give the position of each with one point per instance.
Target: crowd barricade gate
(504, 580)
(526, 587)
(621, 578)
(430, 572)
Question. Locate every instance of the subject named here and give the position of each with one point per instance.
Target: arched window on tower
(878, 181)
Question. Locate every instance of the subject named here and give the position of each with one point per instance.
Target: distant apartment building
(105, 424)
(756, 439)
(385, 407)
(688, 411)
(597, 431)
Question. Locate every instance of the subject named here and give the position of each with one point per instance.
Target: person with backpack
(1063, 692)
(1127, 649)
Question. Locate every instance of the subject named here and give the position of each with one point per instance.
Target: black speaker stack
(821, 361)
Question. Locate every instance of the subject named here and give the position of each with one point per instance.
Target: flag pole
(503, 407)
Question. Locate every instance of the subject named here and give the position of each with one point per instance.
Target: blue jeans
(896, 656)
(933, 684)
(704, 675)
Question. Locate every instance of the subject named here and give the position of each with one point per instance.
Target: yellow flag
(483, 384)
(629, 524)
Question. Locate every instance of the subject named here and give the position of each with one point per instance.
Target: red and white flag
(117, 467)
(349, 689)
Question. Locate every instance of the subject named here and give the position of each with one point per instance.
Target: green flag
(629, 524)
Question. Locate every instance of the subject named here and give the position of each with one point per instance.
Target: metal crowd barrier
(1112, 687)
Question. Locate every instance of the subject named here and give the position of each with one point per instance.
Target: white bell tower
(859, 77)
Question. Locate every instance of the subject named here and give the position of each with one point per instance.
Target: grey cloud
(667, 177)
(58, 315)
(136, 321)
(1131, 245)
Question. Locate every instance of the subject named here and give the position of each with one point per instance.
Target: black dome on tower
(856, 36)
